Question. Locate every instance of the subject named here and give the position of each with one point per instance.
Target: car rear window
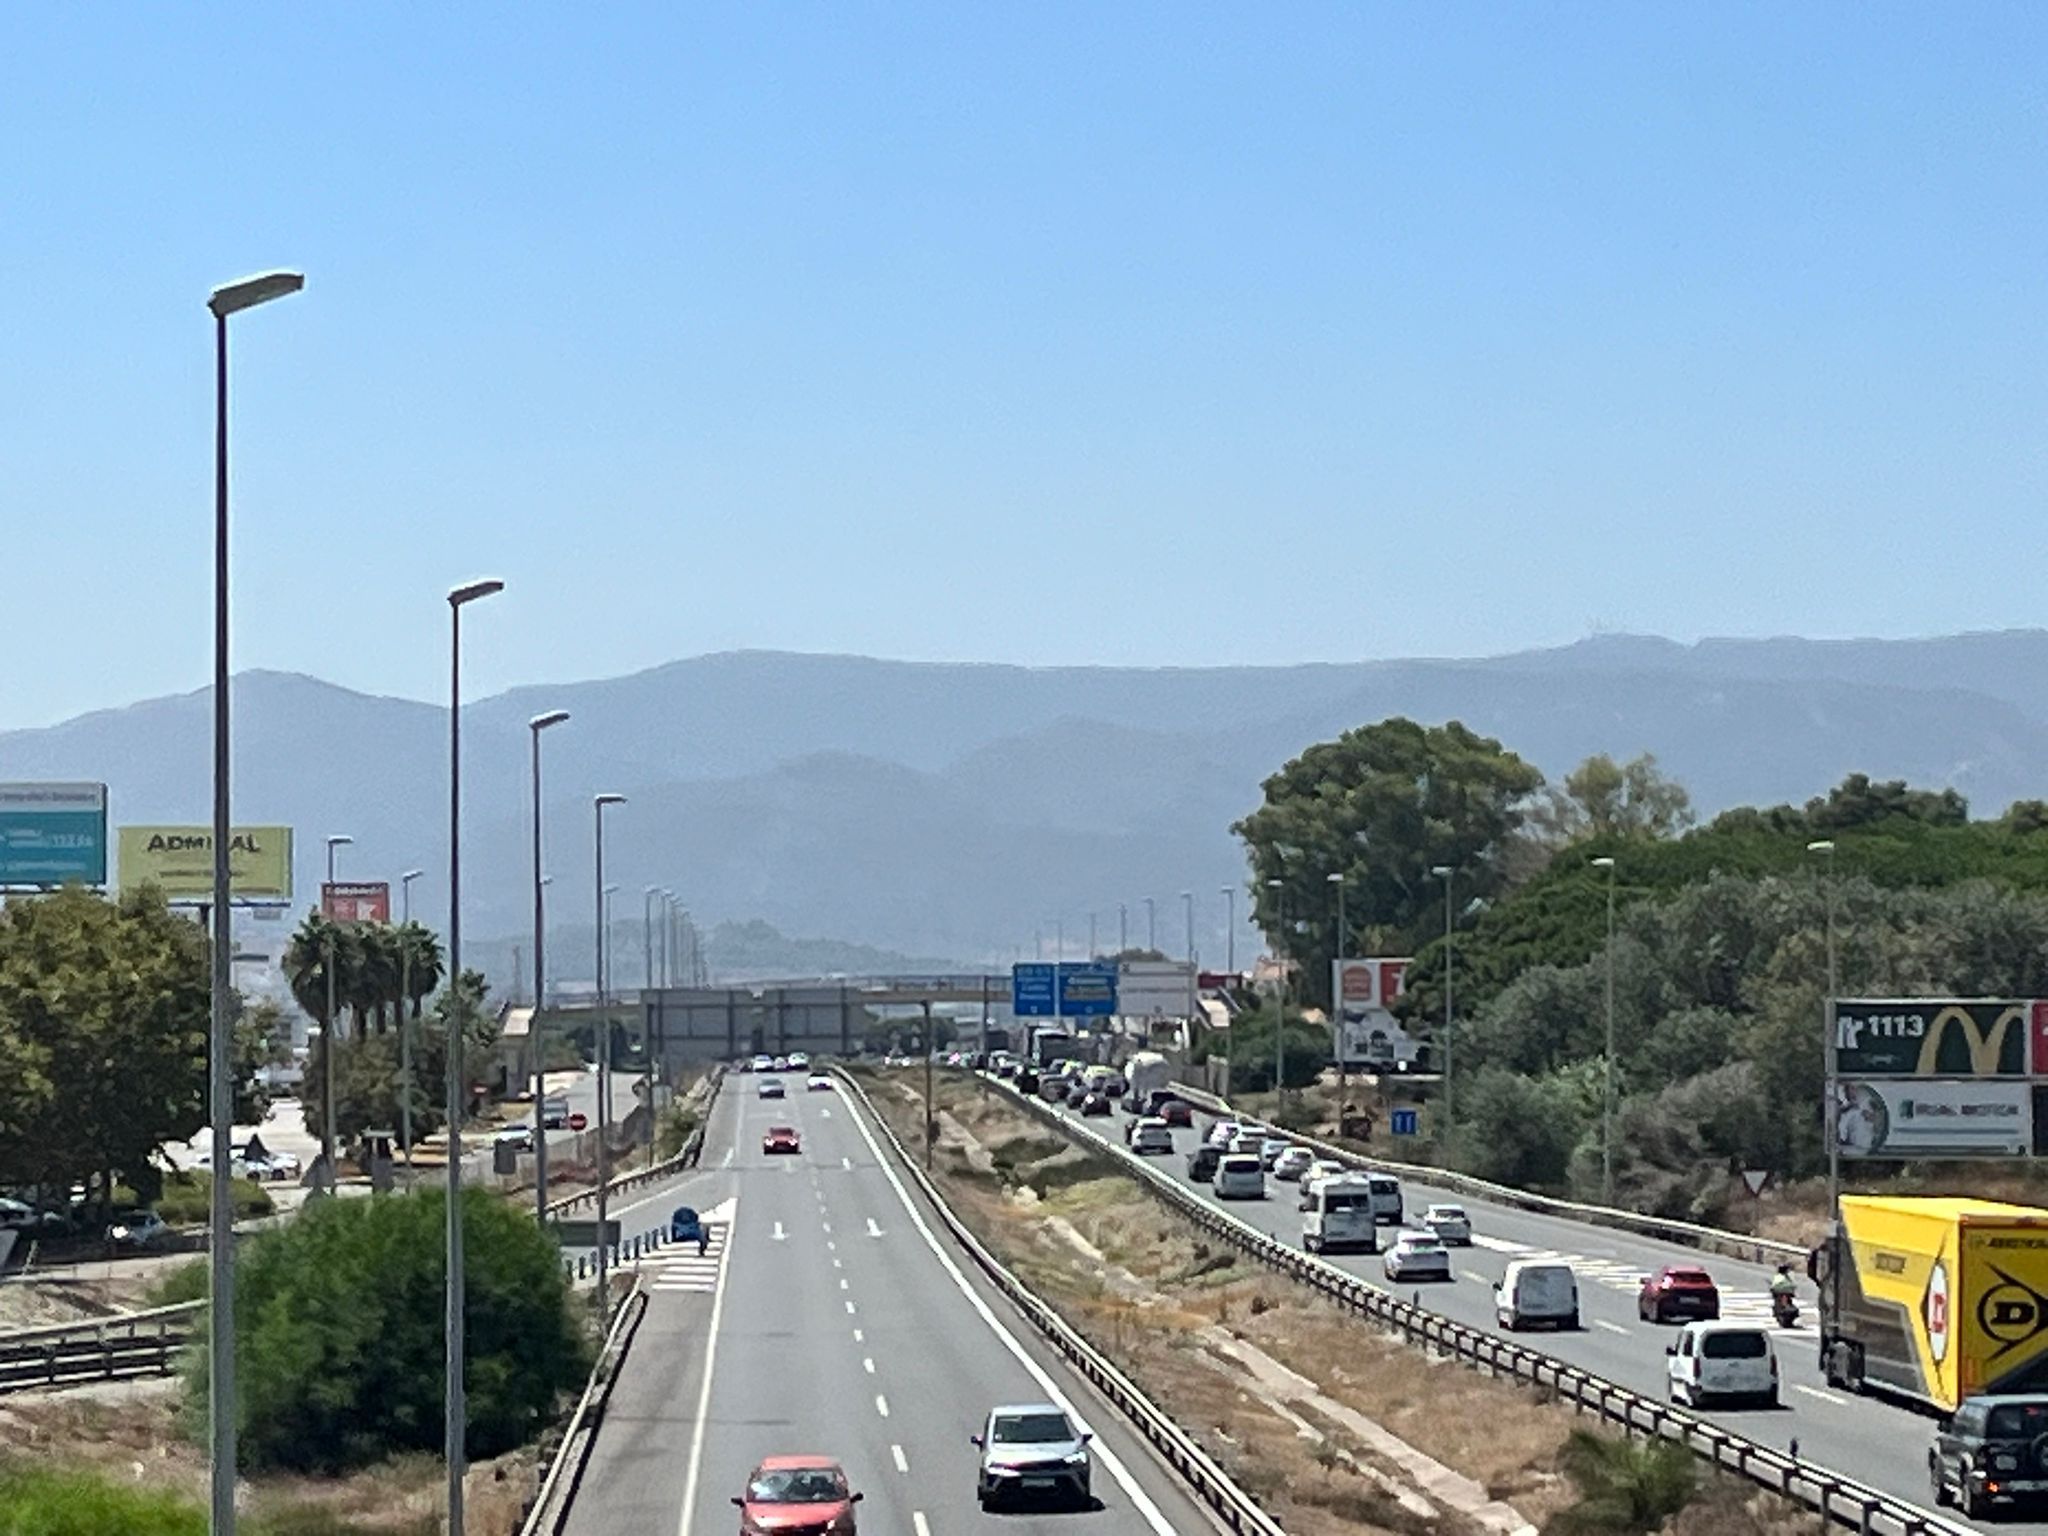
(1385, 1186)
(1734, 1346)
(1241, 1164)
(1690, 1277)
(2018, 1421)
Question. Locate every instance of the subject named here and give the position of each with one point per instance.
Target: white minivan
(1239, 1177)
(1722, 1361)
(1340, 1216)
(1536, 1292)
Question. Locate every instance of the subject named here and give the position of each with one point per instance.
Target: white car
(818, 1082)
(1248, 1144)
(1723, 1361)
(1450, 1223)
(1271, 1148)
(1151, 1135)
(1322, 1168)
(771, 1088)
(1221, 1134)
(1239, 1177)
(1417, 1256)
(799, 1061)
(1293, 1163)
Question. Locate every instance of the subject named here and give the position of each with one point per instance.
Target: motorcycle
(1785, 1310)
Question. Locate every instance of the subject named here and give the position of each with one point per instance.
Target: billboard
(180, 861)
(1933, 1037)
(1363, 1028)
(1938, 1117)
(53, 834)
(356, 901)
(1155, 989)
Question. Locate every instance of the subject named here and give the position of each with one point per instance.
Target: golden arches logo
(1985, 1046)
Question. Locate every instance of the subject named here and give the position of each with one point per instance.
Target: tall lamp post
(1230, 929)
(1187, 901)
(1607, 1075)
(1335, 878)
(455, 1417)
(228, 299)
(1448, 875)
(1280, 987)
(405, 1084)
(1151, 926)
(655, 897)
(327, 1138)
(1825, 847)
(1123, 927)
(534, 1035)
(604, 1062)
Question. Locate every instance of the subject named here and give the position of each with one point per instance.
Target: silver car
(1031, 1450)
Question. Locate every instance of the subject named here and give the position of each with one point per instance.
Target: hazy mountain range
(952, 811)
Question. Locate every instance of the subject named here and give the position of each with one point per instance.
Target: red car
(781, 1138)
(1675, 1292)
(797, 1493)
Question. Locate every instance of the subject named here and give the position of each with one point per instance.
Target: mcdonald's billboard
(1940, 1037)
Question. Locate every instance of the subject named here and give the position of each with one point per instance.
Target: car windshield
(797, 1485)
(2018, 1421)
(1734, 1346)
(1031, 1428)
(1446, 1213)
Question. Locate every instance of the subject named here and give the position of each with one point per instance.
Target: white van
(1722, 1361)
(1239, 1177)
(1537, 1291)
(1340, 1216)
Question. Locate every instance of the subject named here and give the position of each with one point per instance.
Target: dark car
(1678, 1293)
(685, 1226)
(1178, 1113)
(1993, 1450)
(1096, 1103)
(1202, 1163)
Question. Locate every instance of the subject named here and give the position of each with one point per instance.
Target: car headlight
(1078, 1459)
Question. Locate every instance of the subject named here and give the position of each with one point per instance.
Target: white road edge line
(1111, 1463)
(1820, 1392)
(710, 1363)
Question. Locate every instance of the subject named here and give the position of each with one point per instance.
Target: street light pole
(405, 1016)
(931, 1112)
(327, 1137)
(1123, 928)
(1607, 1078)
(220, 1054)
(535, 1034)
(1447, 874)
(1091, 936)
(1151, 926)
(1830, 1111)
(1280, 988)
(455, 1418)
(655, 895)
(604, 1062)
(1336, 881)
(1230, 928)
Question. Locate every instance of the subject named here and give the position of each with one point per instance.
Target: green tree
(1605, 799)
(1860, 801)
(1379, 808)
(338, 1320)
(1516, 1129)
(104, 1010)
(1626, 1486)
(1304, 1049)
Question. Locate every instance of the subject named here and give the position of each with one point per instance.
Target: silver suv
(1031, 1450)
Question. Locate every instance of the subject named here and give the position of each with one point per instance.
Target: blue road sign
(1031, 989)
(1407, 1122)
(1087, 989)
(51, 834)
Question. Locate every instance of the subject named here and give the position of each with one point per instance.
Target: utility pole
(1123, 928)
(1607, 1079)
(931, 1108)
(1448, 875)
(1337, 948)
(1280, 989)
(1230, 928)
(1831, 1112)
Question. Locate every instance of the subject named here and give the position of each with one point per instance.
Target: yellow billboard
(179, 861)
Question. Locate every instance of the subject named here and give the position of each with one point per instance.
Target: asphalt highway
(1878, 1443)
(831, 1315)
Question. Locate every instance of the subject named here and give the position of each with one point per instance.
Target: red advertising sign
(346, 901)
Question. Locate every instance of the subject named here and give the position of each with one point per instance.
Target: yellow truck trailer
(1934, 1299)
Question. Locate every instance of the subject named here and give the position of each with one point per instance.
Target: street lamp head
(339, 839)
(1333, 878)
(1441, 871)
(248, 292)
(608, 799)
(1275, 883)
(458, 596)
(552, 717)
(1603, 863)
(1821, 845)
(611, 890)
(547, 879)
(410, 875)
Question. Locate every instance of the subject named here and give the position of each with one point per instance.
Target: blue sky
(1128, 334)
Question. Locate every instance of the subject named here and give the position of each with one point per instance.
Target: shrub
(186, 1199)
(338, 1321)
(39, 1501)
(1625, 1486)
(186, 1282)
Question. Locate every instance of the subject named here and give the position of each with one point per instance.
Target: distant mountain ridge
(959, 810)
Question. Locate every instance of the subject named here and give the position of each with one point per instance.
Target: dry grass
(131, 1433)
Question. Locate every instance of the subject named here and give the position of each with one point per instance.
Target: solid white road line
(1111, 1463)
(1820, 1392)
(881, 1405)
(1473, 1274)
(902, 1461)
(704, 1391)
(1601, 1322)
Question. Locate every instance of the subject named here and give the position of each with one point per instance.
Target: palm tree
(426, 968)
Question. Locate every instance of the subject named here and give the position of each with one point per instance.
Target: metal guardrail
(1232, 1504)
(1835, 1497)
(685, 1159)
(564, 1476)
(103, 1349)
(1734, 1245)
